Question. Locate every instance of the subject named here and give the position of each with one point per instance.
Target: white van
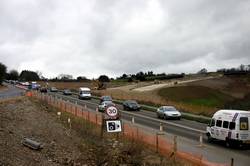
(84, 93)
(232, 126)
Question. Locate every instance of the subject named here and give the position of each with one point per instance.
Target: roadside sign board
(113, 126)
(112, 111)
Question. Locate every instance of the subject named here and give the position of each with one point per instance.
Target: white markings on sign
(112, 111)
(114, 126)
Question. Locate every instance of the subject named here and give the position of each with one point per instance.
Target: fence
(155, 140)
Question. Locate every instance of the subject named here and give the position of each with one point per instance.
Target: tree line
(27, 75)
(242, 69)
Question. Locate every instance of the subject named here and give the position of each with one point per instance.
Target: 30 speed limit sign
(111, 111)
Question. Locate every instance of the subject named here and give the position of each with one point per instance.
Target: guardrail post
(201, 139)
(85, 106)
(161, 127)
(133, 120)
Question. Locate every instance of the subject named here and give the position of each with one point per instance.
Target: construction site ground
(28, 118)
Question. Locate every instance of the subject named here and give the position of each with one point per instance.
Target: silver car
(168, 112)
(103, 105)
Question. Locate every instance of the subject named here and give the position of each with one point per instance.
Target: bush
(2, 72)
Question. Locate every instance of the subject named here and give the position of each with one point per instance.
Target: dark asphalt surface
(185, 128)
(10, 92)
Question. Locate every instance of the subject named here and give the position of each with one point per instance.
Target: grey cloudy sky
(82, 37)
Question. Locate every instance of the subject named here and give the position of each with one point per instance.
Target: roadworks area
(76, 143)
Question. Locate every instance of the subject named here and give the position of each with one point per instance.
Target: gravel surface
(21, 118)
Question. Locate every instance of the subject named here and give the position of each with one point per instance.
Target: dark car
(53, 89)
(67, 92)
(43, 90)
(131, 105)
(105, 98)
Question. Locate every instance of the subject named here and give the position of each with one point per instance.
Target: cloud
(114, 37)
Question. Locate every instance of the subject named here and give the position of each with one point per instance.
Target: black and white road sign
(114, 126)
(111, 111)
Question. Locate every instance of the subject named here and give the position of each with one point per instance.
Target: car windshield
(85, 92)
(107, 102)
(133, 103)
(106, 98)
(169, 109)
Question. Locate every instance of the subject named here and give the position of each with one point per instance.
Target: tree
(65, 77)
(27, 75)
(82, 78)
(150, 73)
(242, 67)
(39, 73)
(124, 76)
(202, 71)
(13, 75)
(103, 78)
(2, 72)
(140, 76)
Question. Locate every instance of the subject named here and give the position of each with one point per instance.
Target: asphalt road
(190, 131)
(185, 128)
(11, 91)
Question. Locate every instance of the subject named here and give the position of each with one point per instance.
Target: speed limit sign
(111, 111)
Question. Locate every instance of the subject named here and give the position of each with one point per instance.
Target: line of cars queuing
(231, 126)
(165, 112)
(28, 85)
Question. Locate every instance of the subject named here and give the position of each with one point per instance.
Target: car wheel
(209, 138)
(165, 117)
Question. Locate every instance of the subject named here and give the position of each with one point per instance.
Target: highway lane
(184, 122)
(185, 128)
(11, 91)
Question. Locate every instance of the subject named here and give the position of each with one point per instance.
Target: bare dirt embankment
(2, 88)
(23, 117)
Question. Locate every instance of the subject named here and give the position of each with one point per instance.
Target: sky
(90, 38)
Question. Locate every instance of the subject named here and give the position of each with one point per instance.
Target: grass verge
(109, 149)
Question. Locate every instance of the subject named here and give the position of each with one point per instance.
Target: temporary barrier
(155, 140)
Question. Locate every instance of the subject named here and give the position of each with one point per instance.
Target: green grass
(195, 95)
